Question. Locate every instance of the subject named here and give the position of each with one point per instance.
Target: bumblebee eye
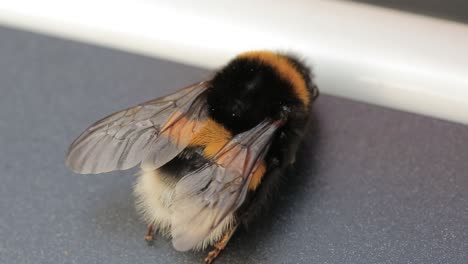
(233, 114)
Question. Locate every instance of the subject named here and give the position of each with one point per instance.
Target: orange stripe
(285, 69)
(212, 136)
(257, 176)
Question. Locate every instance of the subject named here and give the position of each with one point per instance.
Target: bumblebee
(210, 154)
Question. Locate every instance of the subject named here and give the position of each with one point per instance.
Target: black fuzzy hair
(246, 92)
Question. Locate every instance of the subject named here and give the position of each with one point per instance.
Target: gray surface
(446, 9)
(371, 185)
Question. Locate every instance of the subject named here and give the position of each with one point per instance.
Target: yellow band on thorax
(284, 68)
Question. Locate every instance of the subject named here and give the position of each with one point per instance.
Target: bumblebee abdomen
(155, 191)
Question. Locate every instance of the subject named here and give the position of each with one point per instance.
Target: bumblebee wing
(152, 133)
(204, 198)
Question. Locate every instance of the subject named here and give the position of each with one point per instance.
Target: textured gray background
(371, 185)
(446, 9)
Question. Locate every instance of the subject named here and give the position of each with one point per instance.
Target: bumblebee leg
(150, 235)
(220, 245)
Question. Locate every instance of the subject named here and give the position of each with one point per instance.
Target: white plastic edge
(395, 59)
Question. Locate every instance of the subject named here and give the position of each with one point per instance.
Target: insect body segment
(212, 137)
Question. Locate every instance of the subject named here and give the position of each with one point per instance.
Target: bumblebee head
(256, 86)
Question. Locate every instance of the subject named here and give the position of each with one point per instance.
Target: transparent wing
(205, 197)
(152, 133)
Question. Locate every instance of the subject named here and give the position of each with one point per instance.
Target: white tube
(375, 55)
